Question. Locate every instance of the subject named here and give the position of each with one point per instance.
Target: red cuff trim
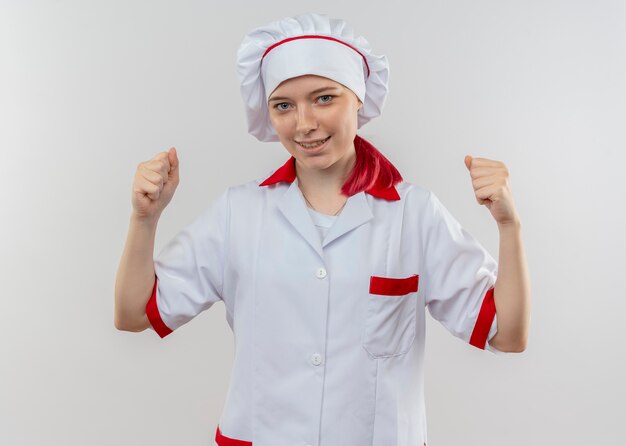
(152, 311)
(389, 286)
(483, 322)
(225, 441)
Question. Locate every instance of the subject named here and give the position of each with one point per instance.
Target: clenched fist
(154, 184)
(490, 180)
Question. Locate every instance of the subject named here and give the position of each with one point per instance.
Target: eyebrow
(329, 87)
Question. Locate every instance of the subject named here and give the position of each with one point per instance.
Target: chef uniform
(328, 313)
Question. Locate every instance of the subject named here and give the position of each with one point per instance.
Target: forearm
(512, 291)
(135, 276)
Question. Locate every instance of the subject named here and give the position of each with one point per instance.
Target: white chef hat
(307, 44)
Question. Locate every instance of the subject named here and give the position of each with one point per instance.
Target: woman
(326, 264)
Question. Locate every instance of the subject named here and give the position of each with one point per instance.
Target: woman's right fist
(154, 184)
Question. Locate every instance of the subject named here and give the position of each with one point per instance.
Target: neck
(320, 185)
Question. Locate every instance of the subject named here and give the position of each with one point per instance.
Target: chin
(315, 162)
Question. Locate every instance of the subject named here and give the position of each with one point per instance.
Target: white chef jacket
(329, 333)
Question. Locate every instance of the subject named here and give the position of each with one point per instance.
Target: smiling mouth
(314, 144)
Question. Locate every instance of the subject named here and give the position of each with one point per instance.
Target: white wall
(90, 89)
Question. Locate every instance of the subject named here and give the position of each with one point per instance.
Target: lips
(319, 142)
(311, 142)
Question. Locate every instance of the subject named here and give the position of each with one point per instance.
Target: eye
(279, 108)
(330, 97)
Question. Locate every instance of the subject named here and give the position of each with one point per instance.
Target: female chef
(326, 264)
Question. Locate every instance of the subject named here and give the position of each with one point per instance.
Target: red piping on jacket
(221, 440)
(389, 286)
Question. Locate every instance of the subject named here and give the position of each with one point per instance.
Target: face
(307, 109)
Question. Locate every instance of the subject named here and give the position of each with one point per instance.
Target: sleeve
(189, 270)
(459, 280)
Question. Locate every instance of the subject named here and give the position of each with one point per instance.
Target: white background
(88, 89)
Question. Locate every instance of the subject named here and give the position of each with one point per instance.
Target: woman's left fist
(490, 180)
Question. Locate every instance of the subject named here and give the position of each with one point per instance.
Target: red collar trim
(287, 172)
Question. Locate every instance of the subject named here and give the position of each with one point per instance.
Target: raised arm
(512, 288)
(135, 276)
(153, 187)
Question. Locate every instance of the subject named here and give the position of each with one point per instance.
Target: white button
(316, 359)
(321, 273)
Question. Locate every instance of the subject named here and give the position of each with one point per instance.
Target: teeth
(312, 146)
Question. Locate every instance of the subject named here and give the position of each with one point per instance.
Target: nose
(306, 120)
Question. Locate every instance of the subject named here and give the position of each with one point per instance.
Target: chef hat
(307, 44)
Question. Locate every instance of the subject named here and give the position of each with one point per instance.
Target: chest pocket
(390, 322)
